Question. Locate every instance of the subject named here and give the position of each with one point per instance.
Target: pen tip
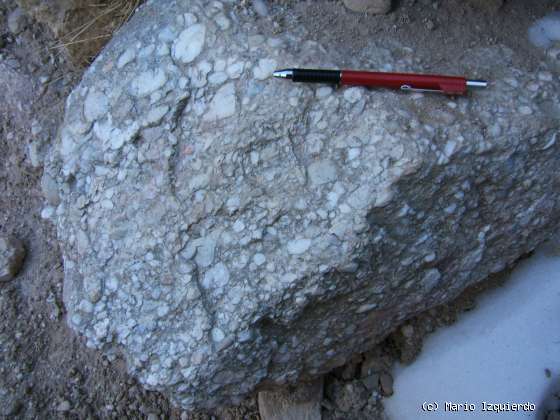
(480, 84)
(283, 74)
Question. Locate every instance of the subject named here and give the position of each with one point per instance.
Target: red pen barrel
(451, 85)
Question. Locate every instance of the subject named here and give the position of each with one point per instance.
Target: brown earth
(45, 369)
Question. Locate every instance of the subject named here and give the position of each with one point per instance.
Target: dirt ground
(45, 369)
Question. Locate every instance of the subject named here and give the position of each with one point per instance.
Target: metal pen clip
(408, 88)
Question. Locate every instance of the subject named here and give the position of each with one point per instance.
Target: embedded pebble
(222, 21)
(47, 212)
(217, 78)
(223, 104)
(265, 68)
(234, 70)
(189, 43)
(216, 277)
(298, 246)
(260, 7)
(217, 335)
(96, 105)
(324, 91)
(353, 94)
(322, 172)
(259, 259)
(431, 279)
(148, 82)
(49, 188)
(126, 57)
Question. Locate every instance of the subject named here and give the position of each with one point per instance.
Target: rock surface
(12, 254)
(369, 6)
(223, 230)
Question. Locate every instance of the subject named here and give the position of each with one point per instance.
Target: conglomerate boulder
(224, 231)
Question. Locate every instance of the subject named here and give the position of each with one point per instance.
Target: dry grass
(89, 26)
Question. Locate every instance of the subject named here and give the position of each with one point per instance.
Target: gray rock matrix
(226, 231)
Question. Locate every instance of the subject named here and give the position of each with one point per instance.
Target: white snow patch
(496, 354)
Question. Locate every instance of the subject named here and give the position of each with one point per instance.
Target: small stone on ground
(12, 254)
(377, 7)
(301, 403)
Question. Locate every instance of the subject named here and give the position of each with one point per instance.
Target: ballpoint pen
(450, 85)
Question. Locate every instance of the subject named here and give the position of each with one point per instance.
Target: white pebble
(217, 335)
(260, 8)
(148, 82)
(96, 105)
(431, 279)
(234, 70)
(47, 212)
(126, 57)
(189, 43)
(264, 69)
(353, 95)
(545, 76)
(222, 22)
(107, 204)
(323, 91)
(223, 104)
(353, 153)
(217, 78)
(238, 226)
(298, 246)
(259, 259)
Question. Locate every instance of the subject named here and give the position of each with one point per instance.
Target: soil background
(46, 371)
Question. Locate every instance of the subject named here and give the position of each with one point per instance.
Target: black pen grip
(316, 76)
